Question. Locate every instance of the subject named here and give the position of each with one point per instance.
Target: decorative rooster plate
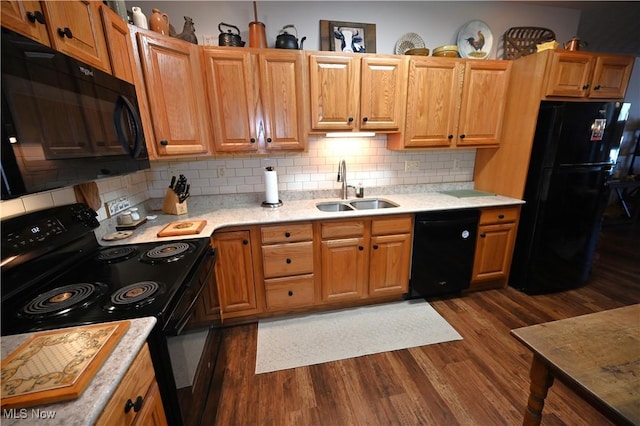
(475, 40)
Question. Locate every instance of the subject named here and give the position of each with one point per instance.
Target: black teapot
(228, 38)
(284, 40)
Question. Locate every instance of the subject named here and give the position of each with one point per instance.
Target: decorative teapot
(228, 38)
(284, 40)
(574, 44)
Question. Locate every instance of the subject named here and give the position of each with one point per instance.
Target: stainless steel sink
(368, 204)
(374, 203)
(333, 207)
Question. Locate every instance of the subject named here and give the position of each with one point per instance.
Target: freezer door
(559, 228)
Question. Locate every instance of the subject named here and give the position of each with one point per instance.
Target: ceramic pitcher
(159, 22)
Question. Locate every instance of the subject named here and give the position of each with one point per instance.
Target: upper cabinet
(357, 92)
(71, 27)
(175, 95)
(588, 75)
(257, 99)
(453, 103)
(119, 46)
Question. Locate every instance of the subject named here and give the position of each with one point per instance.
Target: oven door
(196, 282)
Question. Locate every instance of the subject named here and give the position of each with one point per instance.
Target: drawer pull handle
(135, 405)
(597, 87)
(450, 137)
(290, 293)
(287, 234)
(462, 136)
(245, 242)
(483, 235)
(585, 87)
(375, 247)
(500, 216)
(360, 248)
(288, 260)
(164, 142)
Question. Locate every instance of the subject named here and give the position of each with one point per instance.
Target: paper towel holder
(267, 204)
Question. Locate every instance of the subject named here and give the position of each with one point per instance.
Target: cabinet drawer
(342, 229)
(393, 225)
(499, 215)
(289, 233)
(287, 259)
(289, 292)
(135, 383)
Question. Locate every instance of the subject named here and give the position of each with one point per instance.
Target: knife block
(171, 205)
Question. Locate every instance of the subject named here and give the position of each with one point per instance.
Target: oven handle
(182, 322)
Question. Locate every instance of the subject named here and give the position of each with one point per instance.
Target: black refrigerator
(566, 194)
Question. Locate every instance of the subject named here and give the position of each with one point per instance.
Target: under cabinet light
(350, 135)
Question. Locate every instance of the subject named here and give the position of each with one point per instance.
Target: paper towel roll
(271, 186)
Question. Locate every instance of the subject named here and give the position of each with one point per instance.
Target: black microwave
(63, 122)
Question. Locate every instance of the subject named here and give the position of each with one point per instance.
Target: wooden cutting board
(57, 365)
(185, 227)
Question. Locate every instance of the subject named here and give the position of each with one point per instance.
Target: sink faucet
(342, 177)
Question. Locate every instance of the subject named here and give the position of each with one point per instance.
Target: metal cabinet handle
(450, 137)
(483, 235)
(290, 293)
(62, 32)
(462, 136)
(36, 16)
(252, 140)
(365, 119)
(597, 87)
(245, 242)
(164, 142)
(288, 260)
(360, 248)
(135, 405)
(375, 247)
(287, 234)
(585, 87)
(268, 140)
(350, 119)
(500, 216)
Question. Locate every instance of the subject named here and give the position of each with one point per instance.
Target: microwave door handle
(121, 103)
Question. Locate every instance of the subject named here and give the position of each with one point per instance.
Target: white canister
(135, 214)
(139, 19)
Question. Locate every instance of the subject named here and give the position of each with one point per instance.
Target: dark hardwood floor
(480, 380)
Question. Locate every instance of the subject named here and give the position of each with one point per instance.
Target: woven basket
(522, 41)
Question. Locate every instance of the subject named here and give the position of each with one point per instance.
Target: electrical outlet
(222, 172)
(114, 207)
(411, 166)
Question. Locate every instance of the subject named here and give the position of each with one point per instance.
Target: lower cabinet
(494, 247)
(234, 273)
(390, 259)
(136, 401)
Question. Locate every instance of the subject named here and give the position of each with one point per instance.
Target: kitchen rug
(348, 333)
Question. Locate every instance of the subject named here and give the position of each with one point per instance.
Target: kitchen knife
(173, 181)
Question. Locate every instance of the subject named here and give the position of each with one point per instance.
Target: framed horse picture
(339, 36)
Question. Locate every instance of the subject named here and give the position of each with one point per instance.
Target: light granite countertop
(223, 211)
(86, 409)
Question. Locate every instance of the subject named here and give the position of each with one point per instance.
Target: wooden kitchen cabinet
(390, 258)
(453, 103)
(257, 98)
(119, 46)
(288, 265)
(27, 18)
(73, 27)
(588, 75)
(494, 247)
(234, 274)
(136, 401)
(345, 253)
(357, 92)
(175, 96)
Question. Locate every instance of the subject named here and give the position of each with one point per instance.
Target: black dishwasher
(444, 243)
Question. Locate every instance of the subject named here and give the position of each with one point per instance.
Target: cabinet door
(389, 264)
(75, 28)
(176, 98)
(494, 249)
(152, 412)
(383, 92)
(232, 86)
(119, 45)
(234, 273)
(611, 76)
(484, 97)
(569, 74)
(433, 97)
(344, 271)
(282, 92)
(334, 90)
(26, 18)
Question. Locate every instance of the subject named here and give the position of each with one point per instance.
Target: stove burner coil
(61, 300)
(136, 294)
(115, 254)
(167, 252)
